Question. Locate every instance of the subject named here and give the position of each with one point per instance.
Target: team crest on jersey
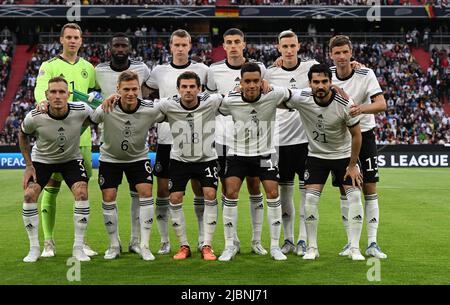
(84, 74)
(306, 175)
(61, 139)
(319, 123)
(126, 132)
(101, 180)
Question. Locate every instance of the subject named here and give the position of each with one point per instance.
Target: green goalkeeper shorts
(87, 157)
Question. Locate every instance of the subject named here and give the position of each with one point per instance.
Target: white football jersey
(223, 78)
(192, 128)
(164, 78)
(289, 127)
(361, 86)
(125, 136)
(106, 77)
(253, 121)
(57, 139)
(325, 126)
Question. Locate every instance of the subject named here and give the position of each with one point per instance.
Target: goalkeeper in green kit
(80, 76)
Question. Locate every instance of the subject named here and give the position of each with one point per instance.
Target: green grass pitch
(414, 216)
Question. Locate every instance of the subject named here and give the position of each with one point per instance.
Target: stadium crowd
(414, 116)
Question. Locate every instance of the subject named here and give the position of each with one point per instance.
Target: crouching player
(57, 149)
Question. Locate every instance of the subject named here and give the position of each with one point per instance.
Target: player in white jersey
(106, 75)
(125, 150)
(56, 150)
(363, 87)
(290, 138)
(163, 82)
(223, 77)
(252, 154)
(327, 122)
(192, 123)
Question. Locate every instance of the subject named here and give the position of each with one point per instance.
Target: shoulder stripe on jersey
(340, 100)
(33, 114)
(305, 93)
(204, 96)
(147, 105)
(362, 72)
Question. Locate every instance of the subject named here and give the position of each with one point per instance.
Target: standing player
(125, 150)
(253, 115)
(192, 122)
(327, 121)
(80, 75)
(223, 77)
(56, 150)
(106, 75)
(291, 137)
(362, 85)
(163, 82)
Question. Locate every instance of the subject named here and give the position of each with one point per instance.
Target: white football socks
(111, 220)
(146, 211)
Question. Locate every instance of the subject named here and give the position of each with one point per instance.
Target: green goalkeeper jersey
(80, 76)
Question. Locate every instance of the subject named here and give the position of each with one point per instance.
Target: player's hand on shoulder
(42, 106)
(265, 86)
(355, 110)
(340, 91)
(109, 103)
(356, 65)
(278, 62)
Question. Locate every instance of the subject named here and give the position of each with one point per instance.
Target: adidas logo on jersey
(373, 220)
(189, 115)
(292, 80)
(149, 178)
(212, 223)
(229, 225)
(276, 223)
(320, 116)
(311, 218)
(175, 225)
(82, 220)
(357, 218)
(237, 79)
(61, 129)
(29, 226)
(128, 123)
(109, 223)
